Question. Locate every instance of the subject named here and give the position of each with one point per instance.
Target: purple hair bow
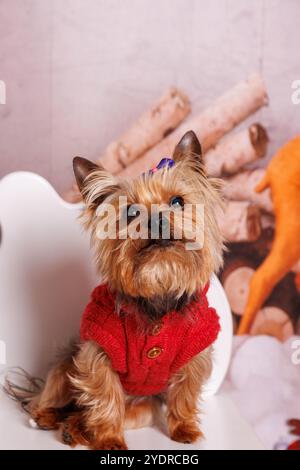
(164, 163)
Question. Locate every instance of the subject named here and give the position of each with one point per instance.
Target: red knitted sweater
(146, 358)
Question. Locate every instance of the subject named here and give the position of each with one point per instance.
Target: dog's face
(156, 235)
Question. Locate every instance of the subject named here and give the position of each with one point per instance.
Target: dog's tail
(24, 387)
(21, 386)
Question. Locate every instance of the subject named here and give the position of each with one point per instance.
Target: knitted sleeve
(100, 323)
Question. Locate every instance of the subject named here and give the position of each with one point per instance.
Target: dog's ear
(94, 182)
(189, 146)
(82, 168)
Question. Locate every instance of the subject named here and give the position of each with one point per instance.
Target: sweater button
(154, 352)
(156, 329)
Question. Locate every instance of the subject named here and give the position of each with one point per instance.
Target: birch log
(255, 251)
(237, 150)
(152, 126)
(240, 222)
(241, 187)
(210, 125)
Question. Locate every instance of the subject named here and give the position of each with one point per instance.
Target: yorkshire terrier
(146, 336)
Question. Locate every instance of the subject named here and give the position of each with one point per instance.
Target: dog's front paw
(73, 433)
(109, 443)
(186, 432)
(48, 418)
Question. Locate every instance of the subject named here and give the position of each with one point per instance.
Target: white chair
(46, 276)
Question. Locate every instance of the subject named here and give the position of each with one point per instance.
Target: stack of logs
(247, 223)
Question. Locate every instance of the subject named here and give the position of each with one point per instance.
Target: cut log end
(240, 222)
(259, 139)
(272, 321)
(236, 282)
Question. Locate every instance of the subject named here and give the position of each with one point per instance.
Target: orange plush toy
(283, 178)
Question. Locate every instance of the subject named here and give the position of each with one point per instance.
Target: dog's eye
(132, 211)
(176, 202)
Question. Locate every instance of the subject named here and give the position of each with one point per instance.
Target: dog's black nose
(159, 227)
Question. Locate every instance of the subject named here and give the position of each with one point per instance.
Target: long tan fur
(183, 398)
(83, 394)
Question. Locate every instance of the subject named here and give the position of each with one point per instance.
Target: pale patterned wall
(77, 72)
